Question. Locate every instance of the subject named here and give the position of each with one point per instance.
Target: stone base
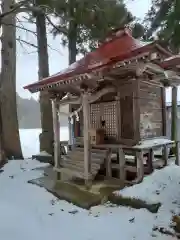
(75, 192)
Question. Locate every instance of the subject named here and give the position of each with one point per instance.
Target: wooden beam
(70, 100)
(94, 97)
(141, 67)
(56, 128)
(86, 110)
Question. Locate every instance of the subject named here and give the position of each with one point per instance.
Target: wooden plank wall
(151, 124)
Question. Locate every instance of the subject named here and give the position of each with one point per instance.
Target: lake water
(30, 140)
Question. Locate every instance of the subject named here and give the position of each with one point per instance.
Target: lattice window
(95, 116)
(107, 112)
(109, 115)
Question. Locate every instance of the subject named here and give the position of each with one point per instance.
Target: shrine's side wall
(151, 124)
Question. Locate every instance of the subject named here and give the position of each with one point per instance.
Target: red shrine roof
(120, 46)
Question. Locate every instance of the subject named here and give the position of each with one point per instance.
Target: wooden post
(165, 155)
(118, 115)
(150, 159)
(70, 133)
(122, 162)
(174, 114)
(108, 165)
(56, 128)
(86, 110)
(177, 161)
(140, 167)
(164, 119)
(174, 117)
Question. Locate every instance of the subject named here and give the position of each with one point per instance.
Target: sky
(27, 65)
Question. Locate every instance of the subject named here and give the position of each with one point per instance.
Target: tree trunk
(46, 137)
(72, 50)
(72, 35)
(10, 128)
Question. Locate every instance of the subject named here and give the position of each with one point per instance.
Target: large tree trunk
(46, 137)
(72, 36)
(10, 128)
(72, 50)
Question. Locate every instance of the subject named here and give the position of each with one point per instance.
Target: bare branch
(22, 28)
(26, 42)
(59, 29)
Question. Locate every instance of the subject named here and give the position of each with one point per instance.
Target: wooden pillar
(70, 132)
(108, 165)
(174, 114)
(56, 128)
(164, 119)
(122, 163)
(118, 115)
(77, 128)
(177, 161)
(165, 155)
(150, 159)
(140, 167)
(87, 163)
(174, 119)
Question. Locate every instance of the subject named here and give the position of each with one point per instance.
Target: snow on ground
(30, 212)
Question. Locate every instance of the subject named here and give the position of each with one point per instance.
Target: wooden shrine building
(117, 97)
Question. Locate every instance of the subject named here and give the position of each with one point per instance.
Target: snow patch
(30, 212)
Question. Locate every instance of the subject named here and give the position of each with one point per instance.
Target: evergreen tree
(163, 20)
(82, 24)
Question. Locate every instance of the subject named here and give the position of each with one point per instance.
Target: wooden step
(73, 162)
(94, 150)
(73, 173)
(81, 159)
(81, 154)
(80, 164)
(80, 168)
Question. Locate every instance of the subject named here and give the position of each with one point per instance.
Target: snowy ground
(30, 212)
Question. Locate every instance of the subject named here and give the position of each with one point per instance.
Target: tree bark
(72, 49)
(10, 128)
(47, 136)
(72, 35)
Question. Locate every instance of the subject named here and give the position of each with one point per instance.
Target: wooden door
(129, 114)
(127, 121)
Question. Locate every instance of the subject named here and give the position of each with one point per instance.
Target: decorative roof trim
(86, 76)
